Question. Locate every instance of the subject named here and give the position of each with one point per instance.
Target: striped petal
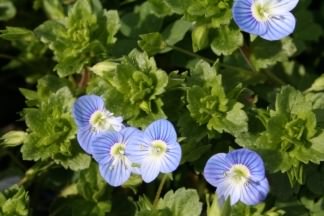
(251, 160)
(255, 192)
(279, 26)
(137, 149)
(171, 160)
(227, 189)
(215, 168)
(281, 6)
(85, 136)
(161, 130)
(115, 173)
(150, 168)
(102, 144)
(242, 15)
(84, 107)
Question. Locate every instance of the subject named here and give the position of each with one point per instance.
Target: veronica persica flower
(157, 150)
(108, 149)
(270, 19)
(92, 118)
(239, 175)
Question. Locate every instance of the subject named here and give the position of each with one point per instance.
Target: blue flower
(239, 175)
(157, 150)
(92, 118)
(270, 19)
(108, 149)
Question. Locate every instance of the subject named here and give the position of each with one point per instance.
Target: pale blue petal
(171, 160)
(102, 144)
(251, 160)
(85, 137)
(161, 130)
(84, 107)
(150, 168)
(216, 166)
(116, 175)
(279, 26)
(255, 192)
(242, 15)
(128, 133)
(282, 6)
(137, 149)
(226, 188)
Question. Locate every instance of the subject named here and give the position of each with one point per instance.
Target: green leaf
(152, 43)
(7, 10)
(176, 31)
(14, 202)
(51, 129)
(291, 137)
(90, 184)
(181, 202)
(135, 90)
(85, 36)
(226, 41)
(267, 53)
(208, 103)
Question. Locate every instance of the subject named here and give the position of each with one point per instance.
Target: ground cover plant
(162, 107)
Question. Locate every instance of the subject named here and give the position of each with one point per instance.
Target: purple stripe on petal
(102, 144)
(116, 175)
(150, 169)
(280, 26)
(215, 168)
(84, 107)
(161, 130)
(255, 192)
(85, 137)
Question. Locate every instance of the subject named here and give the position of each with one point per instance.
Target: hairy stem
(158, 192)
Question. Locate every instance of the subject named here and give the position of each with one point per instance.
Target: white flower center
(261, 12)
(102, 120)
(239, 174)
(158, 148)
(117, 150)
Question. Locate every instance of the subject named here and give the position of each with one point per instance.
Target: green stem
(191, 54)
(158, 192)
(269, 74)
(247, 60)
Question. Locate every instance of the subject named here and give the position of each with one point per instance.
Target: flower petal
(281, 6)
(255, 192)
(242, 15)
(279, 26)
(150, 168)
(215, 169)
(85, 137)
(84, 107)
(227, 188)
(251, 160)
(102, 144)
(170, 161)
(117, 174)
(161, 130)
(128, 133)
(137, 149)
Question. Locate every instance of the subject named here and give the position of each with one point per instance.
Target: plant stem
(268, 73)
(158, 192)
(191, 54)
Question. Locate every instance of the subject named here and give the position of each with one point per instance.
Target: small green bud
(13, 138)
(103, 67)
(200, 37)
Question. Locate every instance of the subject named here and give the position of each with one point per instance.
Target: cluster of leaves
(184, 60)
